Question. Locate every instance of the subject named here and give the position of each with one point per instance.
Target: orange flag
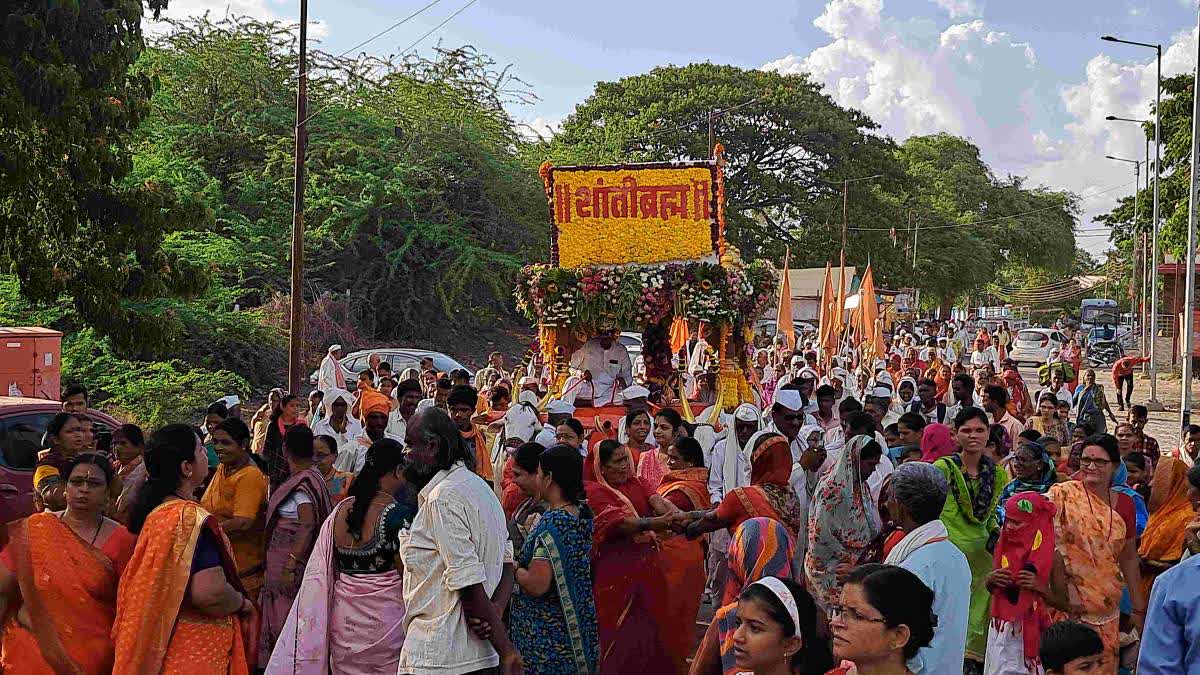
(783, 322)
(679, 334)
(838, 323)
(825, 308)
(868, 313)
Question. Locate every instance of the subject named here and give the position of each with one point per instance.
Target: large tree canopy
(417, 206)
(992, 226)
(72, 221)
(788, 149)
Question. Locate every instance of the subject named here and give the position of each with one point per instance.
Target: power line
(371, 72)
(383, 32)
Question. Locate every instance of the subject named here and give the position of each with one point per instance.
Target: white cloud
(1110, 87)
(971, 80)
(968, 79)
(540, 127)
(265, 10)
(958, 8)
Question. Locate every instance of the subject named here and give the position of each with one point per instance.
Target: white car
(1033, 345)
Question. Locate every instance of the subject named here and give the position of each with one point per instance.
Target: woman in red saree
(627, 576)
(685, 486)
(58, 580)
(180, 605)
(767, 496)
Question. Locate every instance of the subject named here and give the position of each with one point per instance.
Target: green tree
(73, 222)
(967, 214)
(417, 204)
(788, 149)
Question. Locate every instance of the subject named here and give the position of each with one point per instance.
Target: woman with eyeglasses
(883, 618)
(58, 579)
(1096, 532)
(1033, 470)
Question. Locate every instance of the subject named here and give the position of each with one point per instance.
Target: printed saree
(68, 592)
(556, 632)
(843, 522)
(154, 630)
(1089, 538)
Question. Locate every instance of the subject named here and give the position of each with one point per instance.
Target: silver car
(398, 358)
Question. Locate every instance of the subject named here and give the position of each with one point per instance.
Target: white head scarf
(334, 394)
(743, 413)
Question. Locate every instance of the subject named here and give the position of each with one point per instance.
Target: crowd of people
(921, 512)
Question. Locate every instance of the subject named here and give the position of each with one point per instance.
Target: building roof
(807, 283)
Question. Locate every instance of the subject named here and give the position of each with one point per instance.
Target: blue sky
(1029, 82)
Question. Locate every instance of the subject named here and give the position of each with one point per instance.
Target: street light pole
(1137, 184)
(296, 321)
(1153, 403)
(1185, 405)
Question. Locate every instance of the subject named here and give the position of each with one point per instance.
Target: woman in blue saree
(553, 615)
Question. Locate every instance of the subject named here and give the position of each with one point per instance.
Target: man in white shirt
(355, 454)
(962, 387)
(995, 404)
(457, 558)
(330, 376)
(603, 368)
(984, 356)
(408, 397)
(730, 466)
(556, 411)
(1058, 387)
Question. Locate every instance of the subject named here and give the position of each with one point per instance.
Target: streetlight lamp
(1147, 332)
(1137, 180)
(1185, 403)
(1153, 403)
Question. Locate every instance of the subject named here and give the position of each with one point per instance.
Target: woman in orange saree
(767, 496)
(1161, 544)
(58, 580)
(1096, 544)
(627, 575)
(180, 605)
(685, 486)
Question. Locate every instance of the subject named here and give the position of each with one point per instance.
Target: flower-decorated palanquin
(642, 247)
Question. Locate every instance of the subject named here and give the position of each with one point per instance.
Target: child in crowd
(1138, 467)
(1071, 648)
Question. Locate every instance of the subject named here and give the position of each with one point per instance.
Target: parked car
(398, 358)
(23, 423)
(1033, 345)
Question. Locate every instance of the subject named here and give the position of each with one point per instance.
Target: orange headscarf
(1162, 539)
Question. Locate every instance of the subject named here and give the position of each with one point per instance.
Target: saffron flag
(783, 322)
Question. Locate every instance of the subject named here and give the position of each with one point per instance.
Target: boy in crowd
(1071, 648)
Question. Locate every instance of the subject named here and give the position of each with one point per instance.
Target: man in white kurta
(605, 362)
(330, 376)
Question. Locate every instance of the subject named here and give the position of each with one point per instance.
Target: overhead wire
(403, 52)
(381, 33)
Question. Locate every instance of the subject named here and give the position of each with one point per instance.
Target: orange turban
(374, 401)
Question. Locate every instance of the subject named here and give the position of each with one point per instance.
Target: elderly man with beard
(457, 558)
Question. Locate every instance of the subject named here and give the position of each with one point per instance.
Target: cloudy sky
(1028, 81)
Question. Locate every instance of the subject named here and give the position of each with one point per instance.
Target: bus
(1098, 312)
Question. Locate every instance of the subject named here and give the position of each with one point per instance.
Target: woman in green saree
(976, 483)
